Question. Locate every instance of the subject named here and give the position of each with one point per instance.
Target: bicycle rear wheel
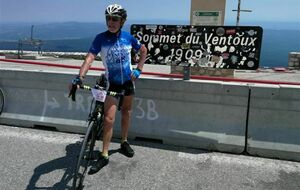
(85, 157)
(1, 101)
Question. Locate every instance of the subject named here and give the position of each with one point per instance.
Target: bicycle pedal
(89, 158)
(99, 137)
(94, 156)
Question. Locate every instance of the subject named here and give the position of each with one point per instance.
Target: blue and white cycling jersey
(115, 51)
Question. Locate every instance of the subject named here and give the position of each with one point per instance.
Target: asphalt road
(40, 159)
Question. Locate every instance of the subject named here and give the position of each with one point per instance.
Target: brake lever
(73, 92)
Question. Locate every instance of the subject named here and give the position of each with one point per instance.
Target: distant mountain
(51, 31)
(64, 30)
(77, 30)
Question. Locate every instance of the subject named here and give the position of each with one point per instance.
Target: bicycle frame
(93, 133)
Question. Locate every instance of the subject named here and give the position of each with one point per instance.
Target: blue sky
(92, 10)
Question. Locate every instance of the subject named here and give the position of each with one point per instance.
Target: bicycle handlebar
(119, 95)
(110, 93)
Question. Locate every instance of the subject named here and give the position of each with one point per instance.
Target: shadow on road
(66, 163)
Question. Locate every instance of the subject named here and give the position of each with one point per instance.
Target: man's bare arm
(86, 65)
(143, 55)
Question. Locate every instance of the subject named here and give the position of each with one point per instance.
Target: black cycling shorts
(128, 86)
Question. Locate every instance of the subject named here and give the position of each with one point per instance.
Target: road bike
(94, 131)
(1, 101)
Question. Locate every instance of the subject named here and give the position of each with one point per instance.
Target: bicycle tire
(95, 128)
(1, 101)
(84, 157)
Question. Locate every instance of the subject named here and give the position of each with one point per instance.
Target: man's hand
(76, 83)
(135, 74)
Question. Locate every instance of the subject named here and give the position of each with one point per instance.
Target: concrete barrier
(203, 114)
(40, 98)
(209, 115)
(274, 121)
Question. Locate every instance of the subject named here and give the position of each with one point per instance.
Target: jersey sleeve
(135, 43)
(96, 45)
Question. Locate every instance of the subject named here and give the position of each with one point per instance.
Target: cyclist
(114, 46)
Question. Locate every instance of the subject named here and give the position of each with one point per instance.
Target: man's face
(114, 23)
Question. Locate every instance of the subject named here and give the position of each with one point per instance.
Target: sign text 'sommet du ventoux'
(227, 47)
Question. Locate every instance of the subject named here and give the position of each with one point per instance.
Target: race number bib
(99, 95)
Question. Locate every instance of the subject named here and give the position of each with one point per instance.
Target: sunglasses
(113, 18)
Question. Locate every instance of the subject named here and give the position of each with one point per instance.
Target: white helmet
(116, 10)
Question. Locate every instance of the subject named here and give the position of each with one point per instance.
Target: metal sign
(207, 18)
(227, 47)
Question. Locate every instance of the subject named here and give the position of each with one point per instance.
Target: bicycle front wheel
(1, 101)
(84, 157)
